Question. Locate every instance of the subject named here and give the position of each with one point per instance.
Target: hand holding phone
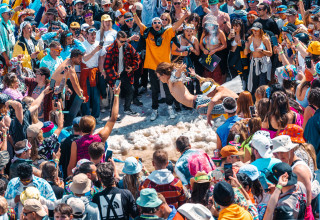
(252, 111)
(308, 62)
(108, 155)
(228, 171)
(52, 84)
(274, 41)
(117, 83)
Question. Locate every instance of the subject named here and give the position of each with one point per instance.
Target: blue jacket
(312, 133)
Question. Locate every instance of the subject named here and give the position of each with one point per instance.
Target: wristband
(279, 186)
(57, 160)
(60, 111)
(4, 135)
(81, 96)
(240, 187)
(116, 95)
(135, 13)
(145, 172)
(281, 52)
(297, 45)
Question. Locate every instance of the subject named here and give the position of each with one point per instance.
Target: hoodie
(161, 177)
(234, 212)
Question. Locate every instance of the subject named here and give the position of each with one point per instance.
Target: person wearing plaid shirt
(164, 182)
(121, 61)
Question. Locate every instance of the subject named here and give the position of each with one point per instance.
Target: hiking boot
(154, 115)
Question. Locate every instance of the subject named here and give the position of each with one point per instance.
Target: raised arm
(37, 102)
(136, 18)
(179, 23)
(17, 106)
(106, 131)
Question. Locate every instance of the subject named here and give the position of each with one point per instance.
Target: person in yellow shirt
(158, 49)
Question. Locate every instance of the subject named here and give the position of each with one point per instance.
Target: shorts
(200, 100)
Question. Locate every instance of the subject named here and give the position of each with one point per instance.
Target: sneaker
(172, 115)
(143, 90)
(119, 119)
(99, 120)
(130, 112)
(137, 102)
(154, 115)
(103, 110)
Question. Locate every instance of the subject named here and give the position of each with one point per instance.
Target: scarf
(157, 35)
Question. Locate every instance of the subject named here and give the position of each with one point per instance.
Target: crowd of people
(255, 63)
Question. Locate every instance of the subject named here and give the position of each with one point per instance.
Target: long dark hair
(50, 172)
(63, 39)
(279, 107)
(240, 23)
(199, 193)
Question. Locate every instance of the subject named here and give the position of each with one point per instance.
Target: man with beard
(77, 15)
(67, 71)
(158, 50)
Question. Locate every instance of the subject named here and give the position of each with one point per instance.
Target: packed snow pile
(161, 136)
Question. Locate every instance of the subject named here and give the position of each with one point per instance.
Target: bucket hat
(149, 198)
(132, 166)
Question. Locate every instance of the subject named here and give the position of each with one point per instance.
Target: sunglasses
(157, 22)
(92, 30)
(107, 5)
(26, 213)
(122, 41)
(251, 1)
(75, 29)
(280, 9)
(128, 20)
(57, 50)
(55, 28)
(177, 3)
(165, 19)
(260, 9)
(291, 7)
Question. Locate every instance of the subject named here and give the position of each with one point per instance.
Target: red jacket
(130, 59)
(47, 101)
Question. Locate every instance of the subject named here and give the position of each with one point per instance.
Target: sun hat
(295, 132)
(148, 198)
(282, 143)
(200, 177)
(314, 48)
(5, 9)
(105, 2)
(239, 3)
(262, 144)
(257, 26)
(4, 158)
(81, 184)
(138, 5)
(289, 72)
(30, 192)
(34, 129)
(251, 170)
(223, 193)
(213, 2)
(230, 150)
(132, 166)
(48, 129)
(74, 25)
(281, 9)
(195, 212)
(79, 163)
(78, 207)
(106, 17)
(34, 205)
(207, 87)
(280, 169)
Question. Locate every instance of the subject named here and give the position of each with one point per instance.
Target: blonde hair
(3, 205)
(311, 153)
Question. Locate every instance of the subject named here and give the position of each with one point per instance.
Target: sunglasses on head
(177, 3)
(280, 9)
(251, 2)
(128, 20)
(157, 22)
(55, 28)
(92, 30)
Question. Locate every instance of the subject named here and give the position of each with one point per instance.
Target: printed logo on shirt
(116, 211)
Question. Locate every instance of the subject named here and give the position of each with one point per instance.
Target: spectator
(70, 41)
(231, 154)
(53, 59)
(111, 195)
(164, 182)
(63, 212)
(88, 18)
(149, 204)
(76, 16)
(268, 24)
(230, 107)
(49, 172)
(33, 209)
(106, 9)
(106, 33)
(96, 152)
(227, 7)
(244, 103)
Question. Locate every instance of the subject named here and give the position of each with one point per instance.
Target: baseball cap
(78, 207)
(291, 11)
(282, 143)
(252, 13)
(5, 9)
(34, 130)
(213, 2)
(119, 12)
(148, 198)
(84, 26)
(239, 3)
(74, 25)
(280, 169)
(138, 5)
(223, 193)
(81, 184)
(76, 121)
(78, 1)
(314, 48)
(283, 212)
(52, 11)
(262, 144)
(230, 150)
(281, 9)
(250, 170)
(257, 26)
(128, 15)
(105, 2)
(4, 158)
(34, 205)
(106, 17)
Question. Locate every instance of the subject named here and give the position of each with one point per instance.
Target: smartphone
(228, 171)
(56, 148)
(264, 184)
(118, 82)
(252, 110)
(108, 155)
(289, 36)
(274, 40)
(232, 31)
(101, 43)
(308, 62)
(52, 84)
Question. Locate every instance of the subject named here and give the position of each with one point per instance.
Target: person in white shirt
(89, 73)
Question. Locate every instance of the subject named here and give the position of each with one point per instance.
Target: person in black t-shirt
(113, 203)
(267, 23)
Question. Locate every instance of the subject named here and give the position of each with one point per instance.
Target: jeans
(126, 90)
(155, 88)
(94, 101)
(73, 111)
